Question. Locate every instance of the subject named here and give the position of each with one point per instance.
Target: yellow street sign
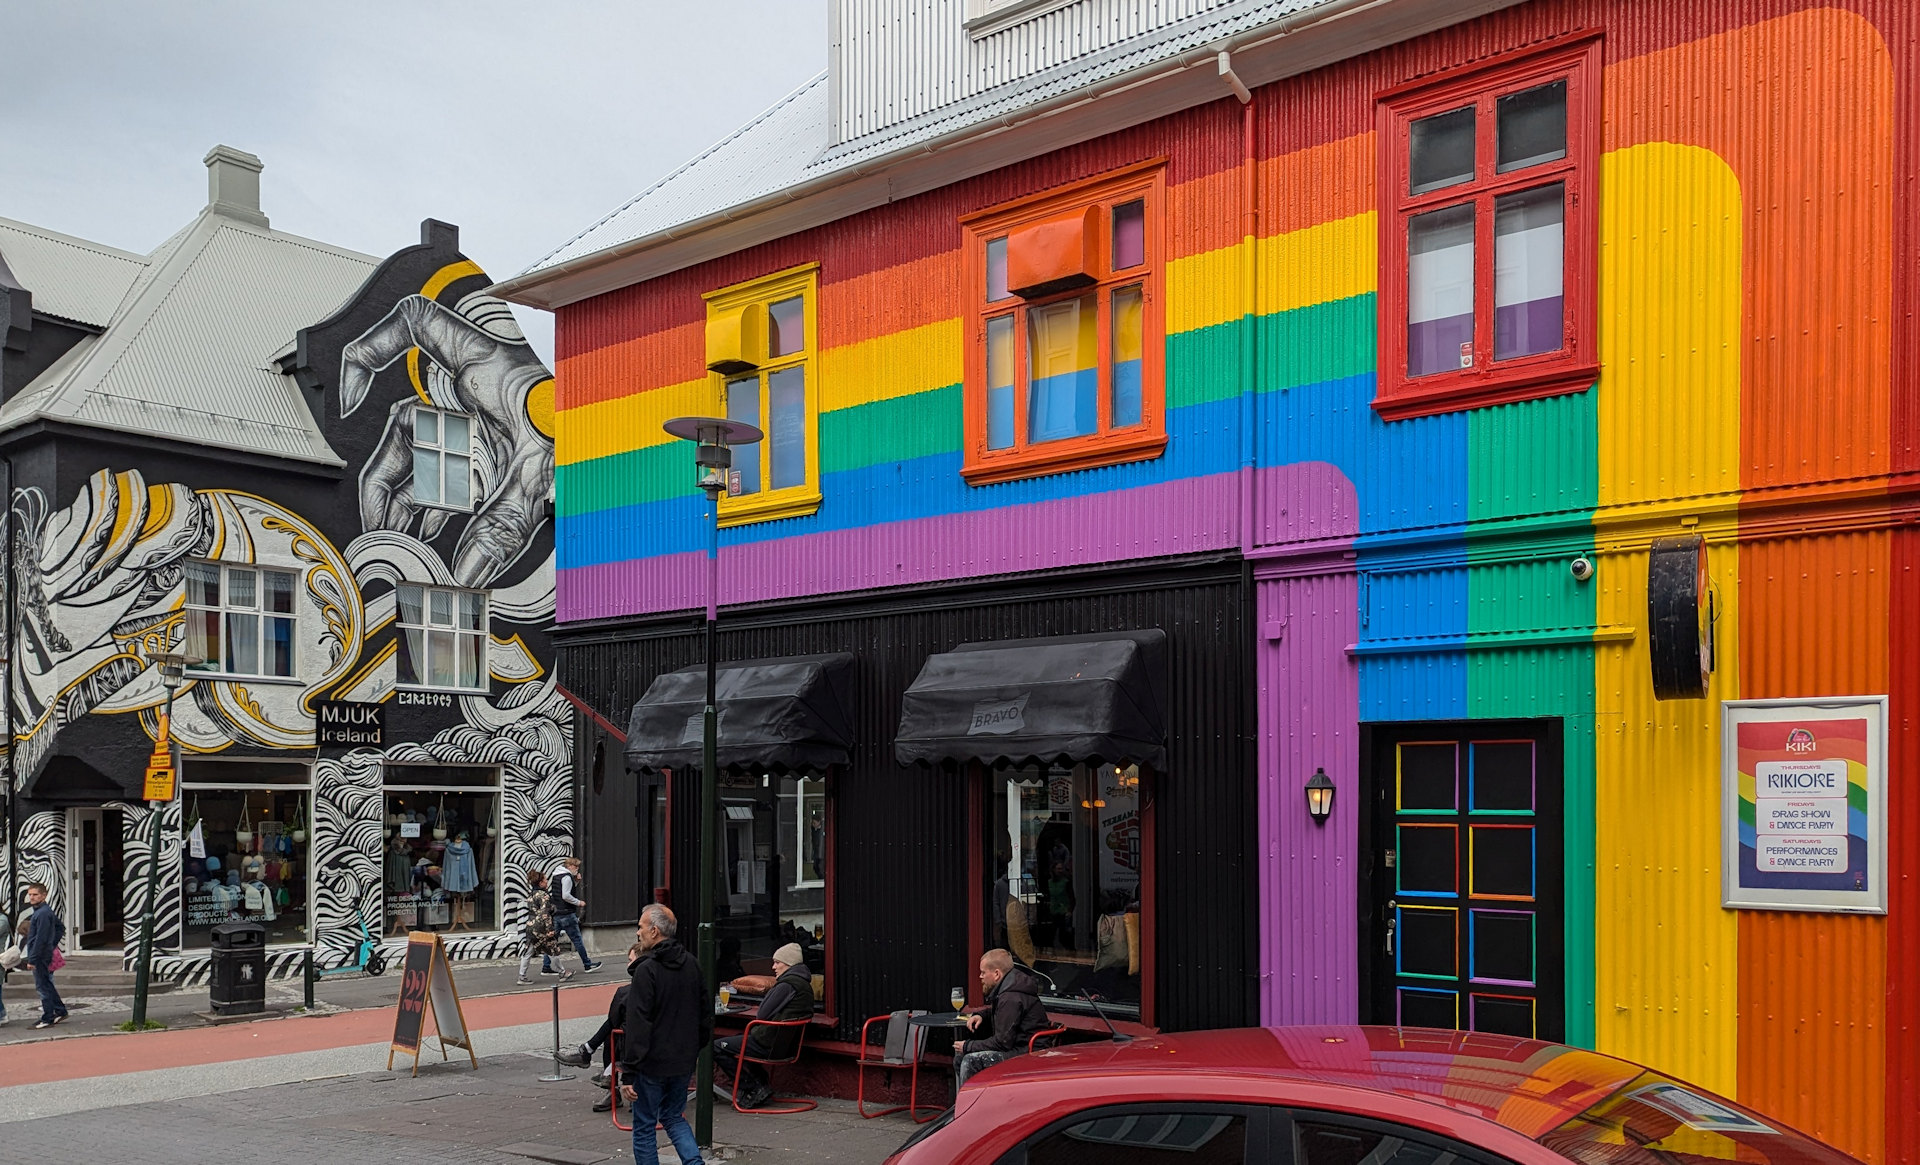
(159, 782)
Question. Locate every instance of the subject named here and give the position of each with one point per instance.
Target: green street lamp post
(714, 439)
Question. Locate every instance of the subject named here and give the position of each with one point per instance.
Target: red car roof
(1530, 1086)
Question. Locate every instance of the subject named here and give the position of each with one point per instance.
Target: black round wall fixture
(1679, 618)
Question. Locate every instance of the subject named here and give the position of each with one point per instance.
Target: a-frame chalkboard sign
(424, 976)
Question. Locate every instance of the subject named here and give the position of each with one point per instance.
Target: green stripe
(1541, 457)
(1318, 343)
(899, 429)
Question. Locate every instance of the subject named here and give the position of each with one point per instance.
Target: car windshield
(1654, 1120)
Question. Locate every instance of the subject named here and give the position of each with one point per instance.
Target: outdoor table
(953, 1019)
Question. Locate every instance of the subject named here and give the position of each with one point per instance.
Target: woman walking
(539, 936)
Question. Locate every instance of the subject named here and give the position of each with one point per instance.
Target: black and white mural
(418, 575)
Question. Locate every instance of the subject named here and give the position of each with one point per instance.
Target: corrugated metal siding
(900, 835)
(1666, 953)
(1309, 876)
(1813, 986)
(1903, 858)
(613, 838)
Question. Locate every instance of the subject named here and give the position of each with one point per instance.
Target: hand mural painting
(101, 582)
(482, 368)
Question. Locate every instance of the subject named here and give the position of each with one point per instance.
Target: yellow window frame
(794, 501)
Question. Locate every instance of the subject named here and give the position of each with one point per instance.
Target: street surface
(314, 1089)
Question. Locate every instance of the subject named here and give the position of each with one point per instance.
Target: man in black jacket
(668, 1021)
(790, 997)
(1013, 1014)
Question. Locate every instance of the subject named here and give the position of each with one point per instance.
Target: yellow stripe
(1335, 260)
(626, 423)
(1666, 986)
(895, 365)
(1205, 289)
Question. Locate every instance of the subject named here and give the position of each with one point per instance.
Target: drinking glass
(726, 994)
(958, 998)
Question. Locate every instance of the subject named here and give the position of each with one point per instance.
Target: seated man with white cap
(790, 997)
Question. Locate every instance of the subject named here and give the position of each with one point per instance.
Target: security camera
(1582, 568)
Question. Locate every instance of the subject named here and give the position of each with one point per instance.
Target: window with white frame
(240, 619)
(803, 819)
(442, 458)
(443, 638)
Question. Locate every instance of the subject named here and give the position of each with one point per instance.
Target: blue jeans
(569, 925)
(661, 1100)
(50, 1002)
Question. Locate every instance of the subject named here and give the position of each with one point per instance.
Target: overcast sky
(524, 123)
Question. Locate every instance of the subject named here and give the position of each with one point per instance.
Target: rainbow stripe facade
(1761, 372)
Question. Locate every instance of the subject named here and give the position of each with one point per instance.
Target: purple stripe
(1177, 517)
(1309, 701)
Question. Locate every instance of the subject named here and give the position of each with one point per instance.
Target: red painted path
(118, 1052)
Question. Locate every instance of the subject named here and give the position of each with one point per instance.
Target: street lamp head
(173, 666)
(715, 438)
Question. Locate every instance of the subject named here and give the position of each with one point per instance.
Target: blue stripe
(894, 491)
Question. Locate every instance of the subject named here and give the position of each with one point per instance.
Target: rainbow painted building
(1112, 323)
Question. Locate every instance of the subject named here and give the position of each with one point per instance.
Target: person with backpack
(44, 935)
(566, 904)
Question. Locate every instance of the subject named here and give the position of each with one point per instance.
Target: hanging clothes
(457, 871)
(398, 871)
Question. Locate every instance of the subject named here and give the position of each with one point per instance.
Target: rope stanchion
(556, 1076)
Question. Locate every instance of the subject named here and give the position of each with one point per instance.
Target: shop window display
(1065, 873)
(246, 861)
(773, 876)
(439, 868)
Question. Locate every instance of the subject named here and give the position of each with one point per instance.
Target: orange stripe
(1317, 185)
(892, 299)
(1801, 108)
(647, 361)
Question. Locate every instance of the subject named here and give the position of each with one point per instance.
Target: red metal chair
(909, 1055)
(613, 1081)
(1052, 1033)
(788, 1104)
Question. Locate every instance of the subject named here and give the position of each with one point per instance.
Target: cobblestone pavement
(498, 1115)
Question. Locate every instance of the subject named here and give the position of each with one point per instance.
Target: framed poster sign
(1804, 804)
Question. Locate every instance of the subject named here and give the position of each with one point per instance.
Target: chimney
(233, 184)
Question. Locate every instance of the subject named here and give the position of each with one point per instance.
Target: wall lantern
(1319, 796)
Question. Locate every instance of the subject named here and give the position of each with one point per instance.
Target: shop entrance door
(1464, 824)
(95, 876)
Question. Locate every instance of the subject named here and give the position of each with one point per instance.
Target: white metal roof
(70, 278)
(187, 354)
(783, 172)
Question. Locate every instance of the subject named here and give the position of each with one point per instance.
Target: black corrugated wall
(900, 835)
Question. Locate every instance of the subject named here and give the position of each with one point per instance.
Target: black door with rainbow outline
(1466, 927)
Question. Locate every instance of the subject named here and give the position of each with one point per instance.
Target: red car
(1344, 1096)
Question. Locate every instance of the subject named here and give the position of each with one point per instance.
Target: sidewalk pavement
(497, 1115)
(93, 1015)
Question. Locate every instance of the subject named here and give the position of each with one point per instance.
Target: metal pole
(709, 811)
(141, 970)
(556, 1076)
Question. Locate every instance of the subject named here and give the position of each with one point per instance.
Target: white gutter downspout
(1330, 11)
(1250, 297)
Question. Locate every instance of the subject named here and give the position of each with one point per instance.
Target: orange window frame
(1575, 365)
(1145, 182)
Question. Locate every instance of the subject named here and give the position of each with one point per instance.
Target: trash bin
(238, 985)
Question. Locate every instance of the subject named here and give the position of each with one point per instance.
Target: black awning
(775, 715)
(65, 780)
(1074, 699)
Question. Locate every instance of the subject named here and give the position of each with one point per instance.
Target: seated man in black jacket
(790, 997)
(1012, 1016)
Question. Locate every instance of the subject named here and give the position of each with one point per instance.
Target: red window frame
(1145, 181)
(1575, 365)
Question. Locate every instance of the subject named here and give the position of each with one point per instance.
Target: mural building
(325, 478)
(1501, 415)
